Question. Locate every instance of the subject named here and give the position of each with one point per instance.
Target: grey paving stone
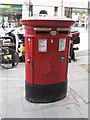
(77, 97)
(73, 68)
(12, 82)
(17, 112)
(0, 117)
(12, 95)
(75, 75)
(80, 88)
(27, 106)
(83, 109)
(12, 110)
(0, 95)
(14, 104)
(0, 109)
(4, 109)
(65, 111)
(82, 72)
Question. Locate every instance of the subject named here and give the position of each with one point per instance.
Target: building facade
(11, 11)
(71, 6)
(52, 7)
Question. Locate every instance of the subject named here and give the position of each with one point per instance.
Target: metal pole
(62, 8)
(29, 9)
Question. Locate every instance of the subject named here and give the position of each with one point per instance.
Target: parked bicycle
(9, 58)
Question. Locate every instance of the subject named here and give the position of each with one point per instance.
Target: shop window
(55, 11)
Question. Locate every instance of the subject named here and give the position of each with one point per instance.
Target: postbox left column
(29, 55)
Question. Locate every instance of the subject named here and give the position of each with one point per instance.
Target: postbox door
(50, 60)
(29, 59)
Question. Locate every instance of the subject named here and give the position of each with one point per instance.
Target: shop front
(10, 15)
(77, 14)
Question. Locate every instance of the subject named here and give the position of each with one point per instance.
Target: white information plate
(53, 33)
(62, 44)
(42, 45)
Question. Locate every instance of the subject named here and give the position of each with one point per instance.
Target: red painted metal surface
(44, 68)
(75, 34)
(47, 22)
(48, 68)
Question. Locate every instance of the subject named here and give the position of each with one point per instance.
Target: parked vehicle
(9, 39)
(21, 45)
(75, 39)
(8, 56)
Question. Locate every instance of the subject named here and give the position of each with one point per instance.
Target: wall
(11, 1)
(50, 10)
(39, 5)
(76, 3)
(46, 2)
(48, 5)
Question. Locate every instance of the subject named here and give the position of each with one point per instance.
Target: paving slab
(81, 104)
(11, 96)
(65, 111)
(83, 109)
(75, 76)
(27, 106)
(0, 108)
(75, 105)
(0, 95)
(15, 110)
(76, 96)
(12, 83)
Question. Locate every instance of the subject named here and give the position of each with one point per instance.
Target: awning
(11, 6)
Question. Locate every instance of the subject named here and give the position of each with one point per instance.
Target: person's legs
(72, 54)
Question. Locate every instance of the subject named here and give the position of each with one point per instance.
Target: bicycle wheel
(9, 58)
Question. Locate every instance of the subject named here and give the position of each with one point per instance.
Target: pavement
(83, 38)
(12, 93)
(75, 105)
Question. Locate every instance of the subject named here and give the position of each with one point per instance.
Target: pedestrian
(72, 53)
(86, 24)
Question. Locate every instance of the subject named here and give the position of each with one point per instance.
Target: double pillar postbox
(46, 58)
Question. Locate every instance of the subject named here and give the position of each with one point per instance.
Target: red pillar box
(46, 58)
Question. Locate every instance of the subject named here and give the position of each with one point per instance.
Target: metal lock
(28, 60)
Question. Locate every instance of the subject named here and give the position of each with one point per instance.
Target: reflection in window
(55, 11)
